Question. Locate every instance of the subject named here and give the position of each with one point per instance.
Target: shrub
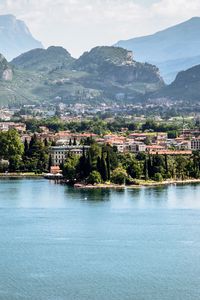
(94, 177)
(119, 176)
(158, 177)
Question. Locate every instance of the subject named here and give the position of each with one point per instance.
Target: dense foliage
(105, 164)
(100, 126)
(17, 156)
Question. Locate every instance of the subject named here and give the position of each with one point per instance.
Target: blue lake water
(61, 243)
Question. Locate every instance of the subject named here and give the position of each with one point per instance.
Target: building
(152, 148)
(137, 147)
(195, 144)
(5, 126)
(171, 152)
(55, 170)
(60, 153)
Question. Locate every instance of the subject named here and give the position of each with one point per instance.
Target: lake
(61, 243)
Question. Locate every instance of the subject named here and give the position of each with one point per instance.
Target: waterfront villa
(60, 153)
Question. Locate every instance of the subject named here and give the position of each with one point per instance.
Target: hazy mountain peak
(172, 49)
(15, 37)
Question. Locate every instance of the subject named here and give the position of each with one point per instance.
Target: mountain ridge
(186, 86)
(104, 73)
(43, 59)
(181, 41)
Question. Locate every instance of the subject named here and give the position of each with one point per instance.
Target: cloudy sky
(79, 25)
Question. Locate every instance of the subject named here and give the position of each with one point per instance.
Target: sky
(79, 25)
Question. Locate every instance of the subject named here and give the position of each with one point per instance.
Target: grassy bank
(138, 184)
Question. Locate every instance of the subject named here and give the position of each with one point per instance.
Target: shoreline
(19, 175)
(137, 186)
(141, 184)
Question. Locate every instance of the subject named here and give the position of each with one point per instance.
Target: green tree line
(28, 156)
(104, 164)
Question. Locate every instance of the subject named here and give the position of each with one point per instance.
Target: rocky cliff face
(6, 72)
(15, 37)
(117, 64)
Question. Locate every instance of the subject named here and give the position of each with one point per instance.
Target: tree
(11, 148)
(181, 167)
(134, 169)
(50, 162)
(95, 177)
(149, 125)
(119, 176)
(37, 158)
(26, 148)
(158, 177)
(158, 165)
(104, 174)
(147, 141)
(108, 165)
(146, 173)
(82, 165)
(99, 164)
(88, 165)
(32, 125)
(74, 142)
(70, 167)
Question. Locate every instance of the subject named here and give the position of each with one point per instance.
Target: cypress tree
(166, 165)
(50, 162)
(104, 173)
(88, 167)
(108, 165)
(150, 167)
(99, 164)
(82, 165)
(146, 169)
(26, 148)
(74, 143)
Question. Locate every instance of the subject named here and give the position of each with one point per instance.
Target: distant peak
(7, 19)
(8, 16)
(194, 19)
(56, 49)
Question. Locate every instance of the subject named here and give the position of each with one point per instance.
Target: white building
(137, 147)
(60, 153)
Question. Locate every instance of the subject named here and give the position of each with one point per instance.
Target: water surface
(61, 243)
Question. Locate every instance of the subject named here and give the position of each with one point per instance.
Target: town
(47, 143)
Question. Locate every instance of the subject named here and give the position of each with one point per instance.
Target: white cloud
(79, 25)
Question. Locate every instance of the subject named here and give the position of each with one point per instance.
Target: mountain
(116, 65)
(172, 50)
(186, 86)
(44, 59)
(103, 74)
(6, 72)
(169, 69)
(15, 37)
